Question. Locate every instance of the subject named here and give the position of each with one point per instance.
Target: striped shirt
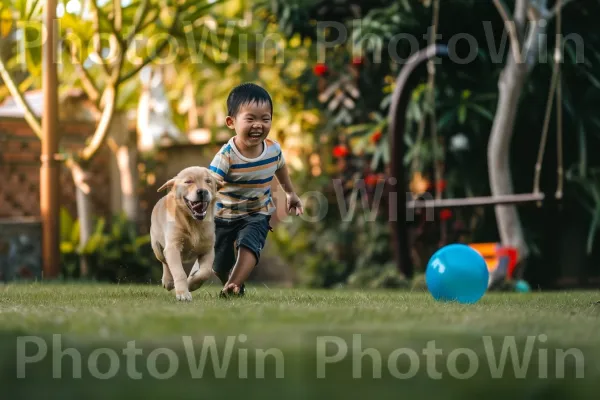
(247, 186)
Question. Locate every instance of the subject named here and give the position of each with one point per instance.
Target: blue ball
(457, 272)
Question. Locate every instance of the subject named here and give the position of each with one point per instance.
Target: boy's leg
(224, 250)
(250, 242)
(246, 261)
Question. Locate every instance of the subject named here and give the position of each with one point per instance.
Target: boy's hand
(294, 203)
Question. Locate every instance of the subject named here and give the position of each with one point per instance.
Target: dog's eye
(188, 182)
(208, 181)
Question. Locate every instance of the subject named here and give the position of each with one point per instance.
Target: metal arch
(397, 118)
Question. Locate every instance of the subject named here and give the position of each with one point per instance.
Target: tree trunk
(521, 60)
(84, 212)
(127, 163)
(510, 86)
(123, 145)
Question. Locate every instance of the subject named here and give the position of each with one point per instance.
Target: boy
(246, 165)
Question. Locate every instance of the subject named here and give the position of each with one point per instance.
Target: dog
(182, 230)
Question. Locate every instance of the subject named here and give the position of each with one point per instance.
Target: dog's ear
(168, 184)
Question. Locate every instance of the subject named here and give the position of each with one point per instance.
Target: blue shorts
(249, 231)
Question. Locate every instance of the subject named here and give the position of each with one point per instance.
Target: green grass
(91, 317)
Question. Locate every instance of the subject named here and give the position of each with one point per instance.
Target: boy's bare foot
(246, 261)
(232, 289)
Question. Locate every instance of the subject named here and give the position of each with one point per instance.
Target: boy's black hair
(244, 94)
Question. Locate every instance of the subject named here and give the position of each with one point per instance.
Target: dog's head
(195, 189)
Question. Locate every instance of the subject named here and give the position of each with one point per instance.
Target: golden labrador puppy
(182, 230)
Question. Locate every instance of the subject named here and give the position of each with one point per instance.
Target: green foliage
(116, 253)
(353, 95)
(152, 32)
(27, 14)
(299, 16)
(374, 268)
(588, 192)
(465, 100)
(312, 247)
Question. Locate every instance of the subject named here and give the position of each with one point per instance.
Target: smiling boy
(246, 165)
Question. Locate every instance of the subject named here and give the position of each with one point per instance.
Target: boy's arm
(283, 177)
(293, 201)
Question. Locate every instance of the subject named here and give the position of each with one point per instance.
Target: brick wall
(20, 153)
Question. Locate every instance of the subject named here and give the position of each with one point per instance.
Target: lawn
(292, 343)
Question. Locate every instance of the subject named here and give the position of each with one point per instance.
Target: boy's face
(252, 123)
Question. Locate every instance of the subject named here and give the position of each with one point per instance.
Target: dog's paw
(183, 295)
(169, 285)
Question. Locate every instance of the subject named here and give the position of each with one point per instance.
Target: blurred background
(142, 86)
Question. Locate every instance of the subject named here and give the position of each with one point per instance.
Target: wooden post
(49, 171)
(397, 118)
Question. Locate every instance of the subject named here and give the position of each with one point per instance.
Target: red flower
(371, 180)
(375, 137)
(357, 60)
(340, 151)
(445, 214)
(320, 69)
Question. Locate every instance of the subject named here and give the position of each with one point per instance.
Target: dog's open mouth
(198, 208)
